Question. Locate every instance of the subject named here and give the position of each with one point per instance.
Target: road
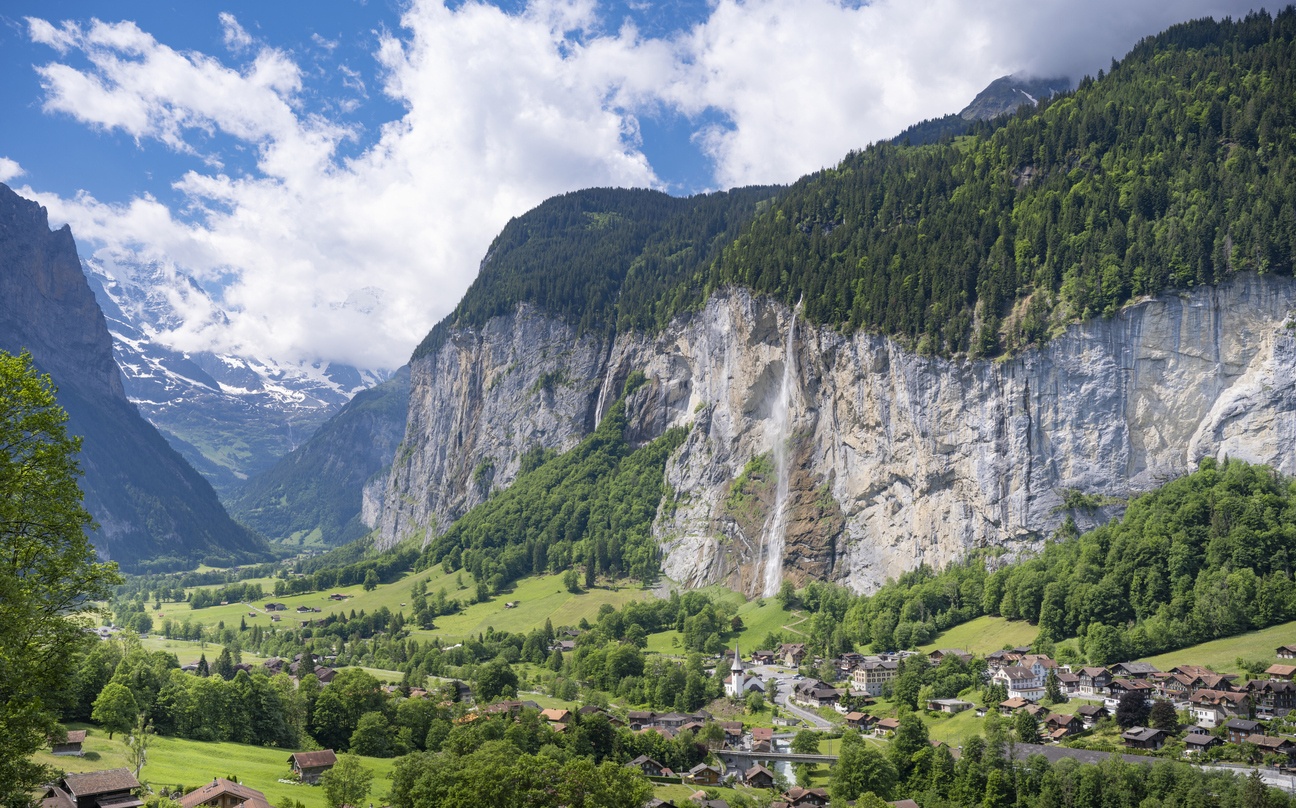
(783, 688)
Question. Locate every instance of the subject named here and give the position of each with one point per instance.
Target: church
(739, 684)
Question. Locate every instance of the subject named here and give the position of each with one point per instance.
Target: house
(759, 777)
(1210, 708)
(1285, 652)
(649, 767)
(1022, 682)
(556, 716)
(1009, 706)
(703, 775)
(1069, 682)
(310, 766)
(276, 607)
(886, 726)
(1065, 724)
(337, 596)
(1094, 681)
(1144, 738)
(762, 657)
(791, 654)
(1196, 744)
(640, 719)
(1272, 697)
(940, 655)
(1284, 672)
(858, 720)
(798, 797)
(112, 788)
(71, 746)
(815, 693)
(1119, 687)
(1239, 729)
(949, 705)
(1273, 745)
(222, 793)
(563, 646)
(1133, 670)
(870, 676)
(762, 739)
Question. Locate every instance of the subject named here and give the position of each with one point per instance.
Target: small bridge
(735, 757)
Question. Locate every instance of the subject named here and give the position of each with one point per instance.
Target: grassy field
(985, 634)
(173, 761)
(539, 599)
(1221, 655)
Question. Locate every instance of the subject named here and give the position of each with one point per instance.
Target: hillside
(1089, 296)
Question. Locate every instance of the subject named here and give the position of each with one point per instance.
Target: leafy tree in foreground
(347, 783)
(115, 709)
(48, 574)
(861, 769)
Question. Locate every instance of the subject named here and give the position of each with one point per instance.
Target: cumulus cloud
(317, 256)
(9, 169)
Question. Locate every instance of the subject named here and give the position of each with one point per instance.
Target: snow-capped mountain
(230, 416)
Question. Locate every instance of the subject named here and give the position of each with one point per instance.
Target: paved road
(784, 686)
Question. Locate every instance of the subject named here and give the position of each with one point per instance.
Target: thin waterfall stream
(776, 526)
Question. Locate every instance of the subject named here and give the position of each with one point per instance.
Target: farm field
(985, 634)
(175, 761)
(1222, 655)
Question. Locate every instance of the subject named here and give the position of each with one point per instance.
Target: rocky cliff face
(898, 459)
(151, 506)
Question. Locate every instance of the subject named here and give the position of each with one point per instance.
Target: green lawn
(173, 761)
(985, 634)
(539, 598)
(953, 729)
(1221, 655)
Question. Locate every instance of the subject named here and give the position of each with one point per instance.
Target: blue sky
(322, 179)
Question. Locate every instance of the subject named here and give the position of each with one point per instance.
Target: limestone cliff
(898, 459)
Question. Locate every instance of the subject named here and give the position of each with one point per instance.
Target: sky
(319, 181)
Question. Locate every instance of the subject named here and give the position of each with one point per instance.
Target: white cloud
(9, 169)
(353, 259)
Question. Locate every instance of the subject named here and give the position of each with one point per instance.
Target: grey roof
(82, 785)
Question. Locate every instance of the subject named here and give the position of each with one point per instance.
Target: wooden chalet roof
(247, 797)
(312, 760)
(103, 782)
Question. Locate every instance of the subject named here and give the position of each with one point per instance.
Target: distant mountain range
(153, 509)
(232, 417)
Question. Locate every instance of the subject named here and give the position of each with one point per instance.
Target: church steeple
(737, 665)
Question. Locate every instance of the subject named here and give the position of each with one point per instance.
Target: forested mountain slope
(1123, 253)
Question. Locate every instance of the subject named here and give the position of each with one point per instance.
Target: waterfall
(603, 388)
(776, 527)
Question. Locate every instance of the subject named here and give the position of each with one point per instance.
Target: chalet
(1239, 729)
(858, 720)
(112, 788)
(759, 777)
(276, 607)
(1120, 687)
(309, 767)
(1272, 697)
(325, 675)
(72, 745)
(872, 675)
(762, 657)
(762, 739)
(556, 716)
(1133, 670)
(703, 775)
(940, 655)
(1069, 682)
(1284, 672)
(1274, 745)
(273, 665)
(1066, 724)
(798, 797)
(949, 705)
(791, 654)
(1210, 708)
(887, 726)
(1285, 652)
(1022, 682)
(650, 767)
(640, 719)
(563, 646)
(222, 793)
(673, 721)
(815, 693)
(1094, 681)
(1010, 706)
(1196, 744)
(1144, 738)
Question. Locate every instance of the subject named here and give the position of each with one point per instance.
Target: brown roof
(76, 736)
(1281, 670)
(248, 797)
(311, 760)
(84, 785)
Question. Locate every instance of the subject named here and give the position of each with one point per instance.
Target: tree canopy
(48, 570)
